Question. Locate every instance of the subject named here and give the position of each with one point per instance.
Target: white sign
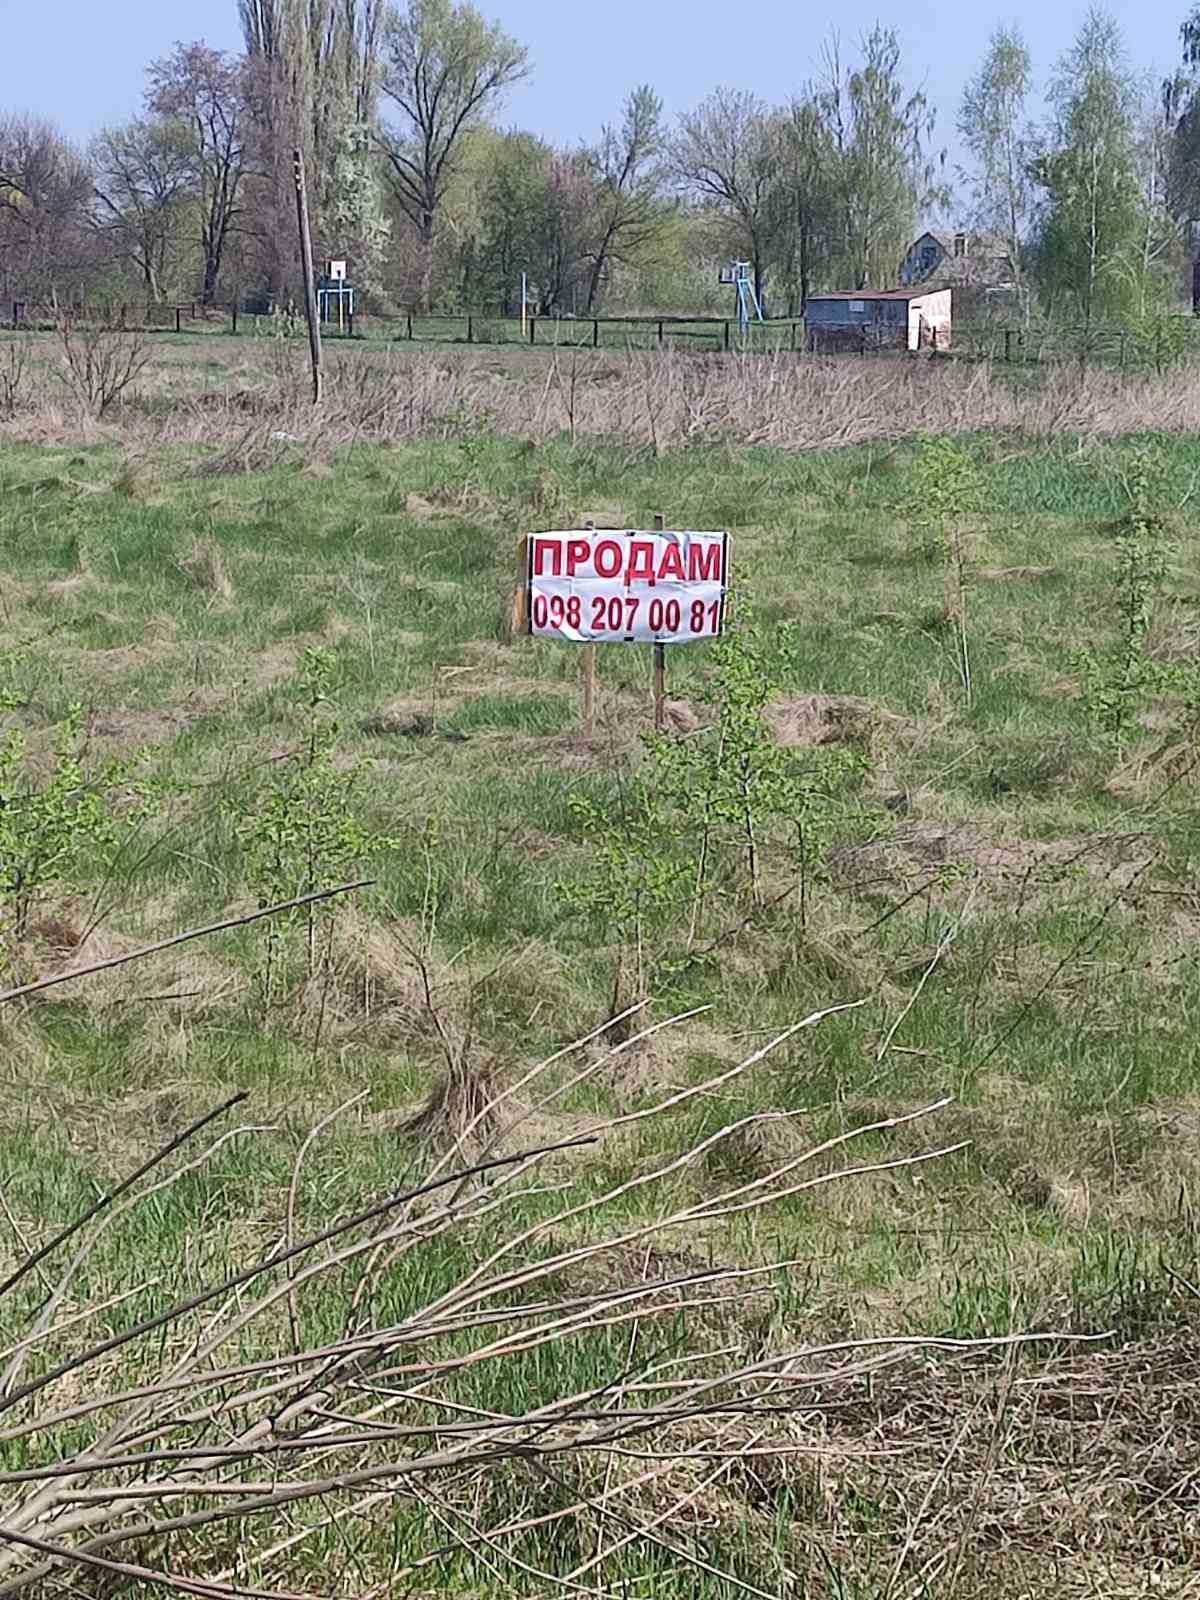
(598, 587)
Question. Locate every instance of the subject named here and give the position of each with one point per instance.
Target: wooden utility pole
(306, 262)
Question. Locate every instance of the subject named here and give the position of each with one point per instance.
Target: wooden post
(235, 316)
(470, 329)
(533, 330)
(520, 609)
(660, 667)
(306, 262)
(178, 319)
(726, 336)
(410, 332)
(660, 334)
(596, 333)
(589, 680)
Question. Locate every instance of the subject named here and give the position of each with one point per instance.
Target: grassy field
(1003, 892)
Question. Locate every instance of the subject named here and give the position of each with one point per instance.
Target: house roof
(978, 244)
(917, 292)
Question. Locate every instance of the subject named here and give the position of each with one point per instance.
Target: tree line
(414, 179)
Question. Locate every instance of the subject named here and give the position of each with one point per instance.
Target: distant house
(959, 260)
(879, 319)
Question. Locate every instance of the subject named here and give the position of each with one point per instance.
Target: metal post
(410, 332)
(178, 319)
(596, 333)
(660, 333)
(533, 330)
(660, 666)
(306, 262)
(350, 319)
(726, 339)
(524, 303)
(470, 330)
(235, 316)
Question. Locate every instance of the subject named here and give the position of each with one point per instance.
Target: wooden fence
(456, 327)
(1157, 344)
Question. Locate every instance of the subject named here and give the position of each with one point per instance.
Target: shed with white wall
(886, 319)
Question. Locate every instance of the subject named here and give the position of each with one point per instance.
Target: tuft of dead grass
(205, 566)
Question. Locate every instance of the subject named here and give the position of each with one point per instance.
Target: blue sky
(80, 61)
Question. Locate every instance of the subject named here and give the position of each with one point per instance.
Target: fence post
(726, 335)
(193, 316)
(660, 332)
(178, 319)
(1007, 345)
(595, 333)
(470, 329)
(235, 317)
(533, 330)
(350, 323)
(660, 664)
(792, 338)
(410, 332)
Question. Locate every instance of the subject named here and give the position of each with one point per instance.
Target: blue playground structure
(739, 276)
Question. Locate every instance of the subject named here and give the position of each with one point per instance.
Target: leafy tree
(143, 175)
(1093, 211)
(444, 69)
(313, 70)
(627, 173)
(994, 126)
(725, 154)
(881, 132)
(536, 209)
(804, 204)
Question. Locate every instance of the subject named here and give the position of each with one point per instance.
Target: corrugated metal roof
(915, 293)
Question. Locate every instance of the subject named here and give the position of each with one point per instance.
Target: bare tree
(628, 185)
(204, 91)
(143, 179)
(45, 208)
(99, 364)
(725, 154)
(444, 68)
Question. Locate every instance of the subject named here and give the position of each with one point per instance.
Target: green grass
(1062, 1021)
